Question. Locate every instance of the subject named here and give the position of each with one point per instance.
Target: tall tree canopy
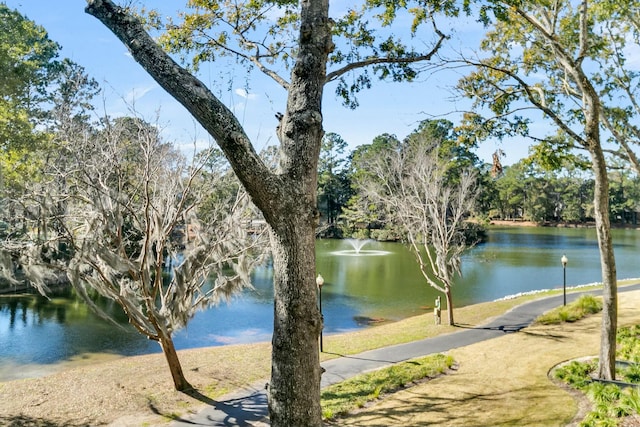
(332, 184)
(28, 65)
(38, 92)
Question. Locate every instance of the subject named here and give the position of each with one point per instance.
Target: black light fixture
(564, 260)
(320, 282)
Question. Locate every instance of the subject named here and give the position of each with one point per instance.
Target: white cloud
(244, 94)
(137, 93)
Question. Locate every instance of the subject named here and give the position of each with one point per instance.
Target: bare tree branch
(212, 114)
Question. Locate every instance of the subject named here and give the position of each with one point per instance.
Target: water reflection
(34, 330)
(359, 253)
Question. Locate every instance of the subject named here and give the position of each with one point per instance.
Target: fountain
(357, 246)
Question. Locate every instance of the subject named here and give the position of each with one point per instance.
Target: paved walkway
(248, 407)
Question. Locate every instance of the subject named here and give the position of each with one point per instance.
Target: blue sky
(395, 108)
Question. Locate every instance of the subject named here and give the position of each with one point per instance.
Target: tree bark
(294, 394)
(287, 199)
(294, 389)
(179, 380)
(449, 305)
(607, 361)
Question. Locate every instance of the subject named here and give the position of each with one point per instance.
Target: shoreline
(119, 392)
(33, 371)
(569, 288)
(548, 224)
(137, 390)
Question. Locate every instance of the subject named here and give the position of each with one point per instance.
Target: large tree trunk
(607, 362)
(606, 365)
(449, 304)
(294, 395)
(294, 390)
(287, 200)
(179, 380)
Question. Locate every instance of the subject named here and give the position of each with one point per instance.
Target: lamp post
(320, 282)
(564, 261)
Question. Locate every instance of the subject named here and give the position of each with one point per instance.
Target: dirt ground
(499, 382)
(132, 391)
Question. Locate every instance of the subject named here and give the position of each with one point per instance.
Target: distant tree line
(528, 192)
(524, 191)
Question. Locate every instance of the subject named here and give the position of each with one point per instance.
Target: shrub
(631, 373)
(576, 374)
(597, 419)
(628, 340)
(602, 393)
(385, 235)
(630, 400)
(572, 312)
(611, 403)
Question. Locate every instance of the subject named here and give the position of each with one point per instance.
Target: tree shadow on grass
(244, 410)
(547, 335)
(27, 421)
(412, 409)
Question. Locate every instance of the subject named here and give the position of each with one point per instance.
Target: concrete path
(248, 407)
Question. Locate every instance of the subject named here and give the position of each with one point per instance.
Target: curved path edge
(248, 407)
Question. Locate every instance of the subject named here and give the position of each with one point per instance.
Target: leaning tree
(299, 37)
(122, 218)
(556, 59)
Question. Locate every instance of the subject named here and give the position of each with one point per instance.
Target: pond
(382, 282)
